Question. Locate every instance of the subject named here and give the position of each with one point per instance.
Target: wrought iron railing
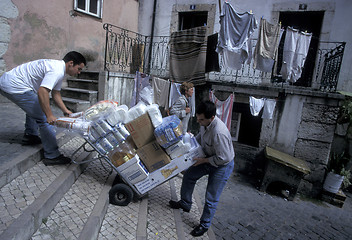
(127, 51)
(329, 69)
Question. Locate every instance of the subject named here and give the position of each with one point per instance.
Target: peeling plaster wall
(7, 11)
(49, 30)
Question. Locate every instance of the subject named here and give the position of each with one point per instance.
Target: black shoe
(60, 160)
(198, 231)
(177, 205)
(31, 139)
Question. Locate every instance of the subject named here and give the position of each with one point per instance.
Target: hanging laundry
(141, 81)
(223, 108)
(234, 36)
(265, 52)
(188, 55)
(175, 93)
(255, 105)
(268, 109)
(161, 89)
(212, 60)
(296, 48)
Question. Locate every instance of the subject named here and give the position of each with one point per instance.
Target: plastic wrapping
(169, 132)
(119, 115)
(100, 110)
(155, 115)
(74, 124)
(136, 111)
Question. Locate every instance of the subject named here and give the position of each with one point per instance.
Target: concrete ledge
(92, 227)
(31, 218)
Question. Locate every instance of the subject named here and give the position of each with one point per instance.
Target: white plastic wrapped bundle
(136, 111)
(169, 131)
(155, 114)
(117, 116)
(100, 110)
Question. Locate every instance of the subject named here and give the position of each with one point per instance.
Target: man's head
(205, 113)
(74, 62)
(186, 89)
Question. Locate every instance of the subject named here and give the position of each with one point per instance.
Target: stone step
(24, 161)
(81, 94)
(76, 105)
(72, 202)
(88, 84)
(82, 208)
(28, 199)
(89, 75)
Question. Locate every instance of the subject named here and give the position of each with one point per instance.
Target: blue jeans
(35, 118)
(216, 182)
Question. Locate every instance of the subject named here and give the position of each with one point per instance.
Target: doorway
(188, 20)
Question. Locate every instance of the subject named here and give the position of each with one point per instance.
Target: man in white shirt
(28, 85)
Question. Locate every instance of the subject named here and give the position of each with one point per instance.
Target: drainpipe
(151, 38)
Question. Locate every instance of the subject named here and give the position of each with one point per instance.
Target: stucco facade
(335, 26)
(304, 121)
(38, 29)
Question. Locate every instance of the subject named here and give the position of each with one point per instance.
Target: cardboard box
(133, 171)
(153, 156)
(169, 171)
(141, 130)
(178, 149)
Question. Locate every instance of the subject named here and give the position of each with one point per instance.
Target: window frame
(86, 10)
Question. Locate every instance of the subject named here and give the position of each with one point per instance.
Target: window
(91, 7)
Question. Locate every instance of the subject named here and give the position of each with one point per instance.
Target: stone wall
(302, 126)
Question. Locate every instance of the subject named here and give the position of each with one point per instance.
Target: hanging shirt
(268, 109)
(161, 89)
(265, 52)
(140, 81)
(223, 108)
(255, 105)
(296, 48)
(235, 30)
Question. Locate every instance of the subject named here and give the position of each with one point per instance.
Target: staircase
(81, 92)
(72, 201)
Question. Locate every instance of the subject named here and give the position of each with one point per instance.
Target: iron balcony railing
(127, 51)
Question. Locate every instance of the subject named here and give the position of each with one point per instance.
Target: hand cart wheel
(120, 194)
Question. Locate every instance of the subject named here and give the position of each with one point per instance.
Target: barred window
(91, 7)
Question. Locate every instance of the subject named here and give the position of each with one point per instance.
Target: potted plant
(337, 177)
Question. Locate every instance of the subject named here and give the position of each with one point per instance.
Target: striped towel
(223, 108)
(188, 55)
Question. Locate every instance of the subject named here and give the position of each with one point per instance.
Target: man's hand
(67, 113)
(188, 110)
(51, 120)
(200, 161)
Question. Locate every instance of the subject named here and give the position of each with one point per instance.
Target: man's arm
(58, 100)
(44, 101)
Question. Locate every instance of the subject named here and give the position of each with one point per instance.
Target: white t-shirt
(29, 76)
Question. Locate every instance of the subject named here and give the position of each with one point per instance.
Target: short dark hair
(76, 57)
(207, 108)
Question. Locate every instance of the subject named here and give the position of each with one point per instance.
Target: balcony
(127, 52)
